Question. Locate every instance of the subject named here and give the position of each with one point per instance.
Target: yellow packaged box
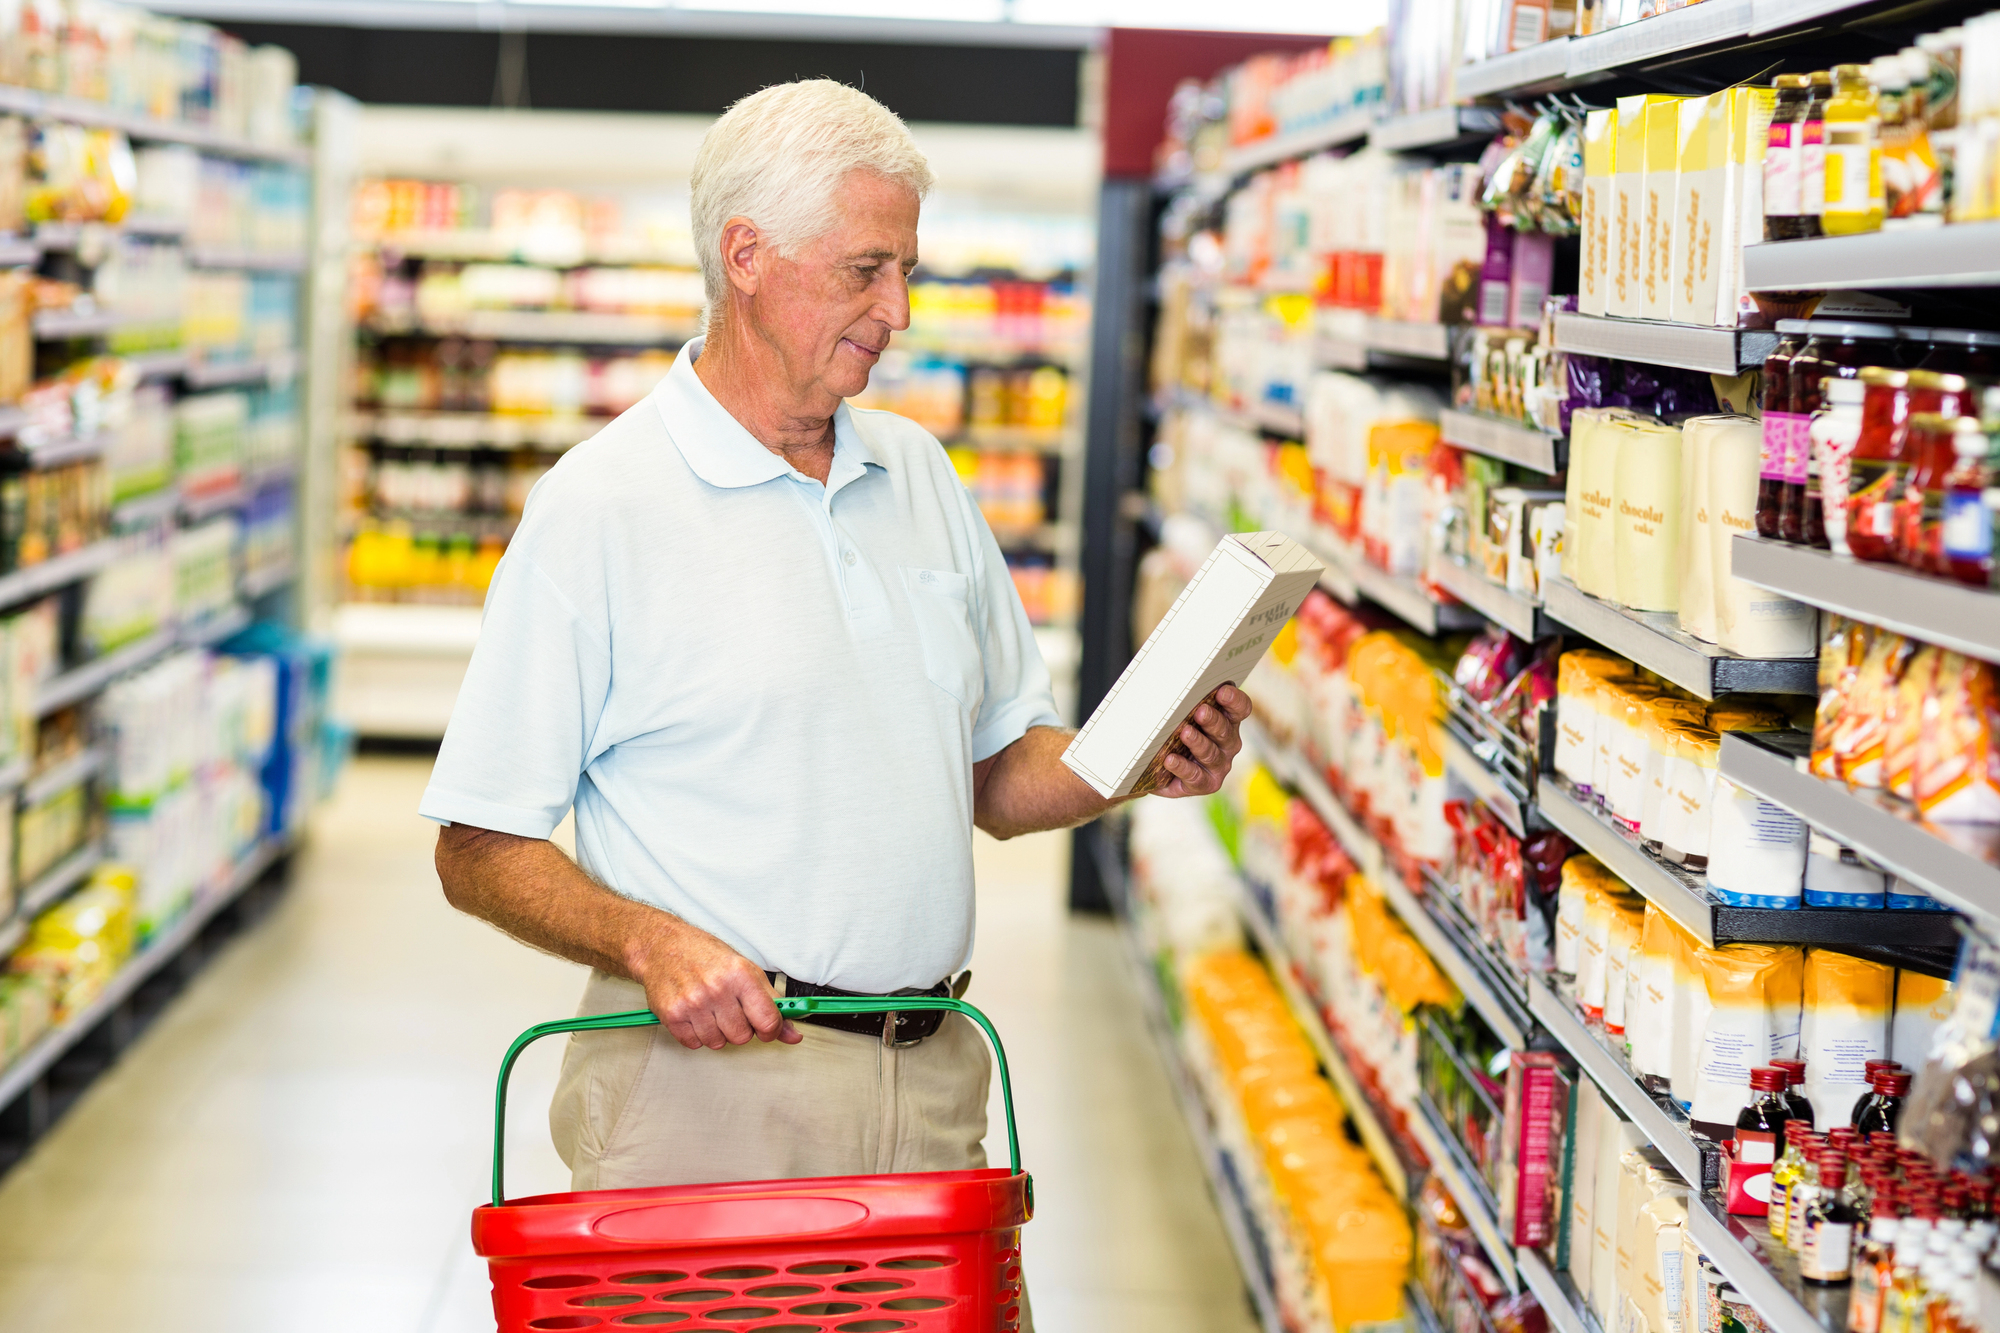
(1600, 153)
(1663, 134)
(1628, 174)
(1697, 197)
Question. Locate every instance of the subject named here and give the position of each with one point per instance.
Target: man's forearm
(1027, 788)
(528, 888)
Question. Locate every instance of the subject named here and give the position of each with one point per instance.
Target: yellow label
(1600, 142)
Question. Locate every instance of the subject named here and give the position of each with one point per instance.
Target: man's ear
(741, 242)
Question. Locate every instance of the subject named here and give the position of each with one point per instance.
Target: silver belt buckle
(890, 1022)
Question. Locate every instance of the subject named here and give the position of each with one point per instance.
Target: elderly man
(768, 649)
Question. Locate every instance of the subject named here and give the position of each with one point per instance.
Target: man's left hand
(1212, 738)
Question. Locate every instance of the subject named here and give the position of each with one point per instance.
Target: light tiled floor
(298, 1143)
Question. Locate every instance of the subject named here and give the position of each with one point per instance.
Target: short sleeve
(521, 731)
(1018, 694)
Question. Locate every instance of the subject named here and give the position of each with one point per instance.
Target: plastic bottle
(1795, 1079)
(1852, 201)
(1885, 1105)
(1804, 1188)
(1929, 454)
(1812, 151)
(1892, 91)
(1785, 218)
(1784, 1175)
(1871, 487)
(1827, 1256)
(1779, 424)
(1874, 1270)
(1835, 433)
(1965, 531)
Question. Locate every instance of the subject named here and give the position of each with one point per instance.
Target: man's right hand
(705, 993)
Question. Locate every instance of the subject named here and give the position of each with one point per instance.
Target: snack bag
(1905, 722)
(1860, 735)
(1922, 1005)
(1957, 779)
(1845, 1024)
(1840, 656)
(1753, 998)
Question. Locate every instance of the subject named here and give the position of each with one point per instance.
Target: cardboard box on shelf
(1218, 629)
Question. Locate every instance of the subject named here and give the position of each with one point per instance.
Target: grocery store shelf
(1296, 772)
(16, 251)
(1963, 255)
(1691, 346)
(164, 365)
(475, 430)
(81, 682)
(586, 327)
(262, 582)
(1664, 1124)
(1924, 941)
(62, 325)
(1770, 15)
(96, 115)
(1229, 1202)
(252, 370)
(1374, 1137)
(1655, 642)
(1494, 792)
(1451, 1168)
(214, 627)
(36, 1060)
(50, 574)
(1956, 863)
(1443, 127)
(252, 261)
(1532, 69)
(1360, 341)
(195, 508)
(1276, 418)
(1346, 128)
(1649, 39)
(80, 767)
(1057, 439)
(1518, 614)
(1559, 1299)
(69, 449)
(1350, 577)
(1508, 441)
(1767, 1275)
(143, 510)
(53, 884)
(1950, 615)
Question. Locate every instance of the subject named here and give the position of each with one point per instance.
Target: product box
(1538, 1094)
(1739, 121)
(1215, 632)
(1616, 1137)
(1663, 135)
(1627, 296)
(1697, 197)
(1586, 1130)
(1528, 278)
(1600, 152)
(1496, 275)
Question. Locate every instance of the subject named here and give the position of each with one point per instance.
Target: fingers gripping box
(1218, 628)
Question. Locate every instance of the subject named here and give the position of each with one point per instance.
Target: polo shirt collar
(721, 452)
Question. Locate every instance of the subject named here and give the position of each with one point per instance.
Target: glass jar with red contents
(1871, 494)
(1973, 353)
(1835, 348)
(1776, 405)
(1927, 459)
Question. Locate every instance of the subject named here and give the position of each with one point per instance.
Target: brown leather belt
(895, 1028)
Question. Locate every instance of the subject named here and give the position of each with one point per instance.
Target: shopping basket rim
(799, 1185)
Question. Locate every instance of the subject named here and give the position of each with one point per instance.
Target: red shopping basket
(938, 1252)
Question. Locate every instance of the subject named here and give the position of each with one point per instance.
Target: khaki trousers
(634, 1108)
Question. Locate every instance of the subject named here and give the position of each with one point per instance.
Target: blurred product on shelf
(1268, 96)
(151, 65)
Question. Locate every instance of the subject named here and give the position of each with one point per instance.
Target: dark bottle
(1827, 1256)
(1884, 1107)
(1760, 1126)
(1795, 1079)
(1812, 152)
(1785, 218)
(1779, 424)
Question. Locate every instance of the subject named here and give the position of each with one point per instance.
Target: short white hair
(778, 157)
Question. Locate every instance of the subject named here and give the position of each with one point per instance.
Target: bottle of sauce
(1812, 151)
(1892, 91)
(1884, 1106)
(1853, 152)
(1837, 348)
(1965, 529)
(1928, 452)
(1804, 1184)
(1835, 433)
(1874, 1269)
(1905, 1302)
(1871, 487)
(1760, 1126)
(1785, 217)
(1778, 423)
(1795, 1098)
(1827, 1257)
(1784, 1175)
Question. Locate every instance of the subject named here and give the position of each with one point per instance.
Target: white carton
(1216, 630)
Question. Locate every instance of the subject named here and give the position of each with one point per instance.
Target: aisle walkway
(298, 1142)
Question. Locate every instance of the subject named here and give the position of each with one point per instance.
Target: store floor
(297, 1143)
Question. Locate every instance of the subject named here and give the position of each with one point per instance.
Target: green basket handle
(787, 1005)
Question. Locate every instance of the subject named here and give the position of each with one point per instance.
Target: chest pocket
(940, 602)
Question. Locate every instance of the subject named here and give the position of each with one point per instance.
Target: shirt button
(849, 557)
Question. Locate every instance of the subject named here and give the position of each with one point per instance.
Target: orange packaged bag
(1840, 656)
(1859, 738)
(1906, 721)
(1958, 754)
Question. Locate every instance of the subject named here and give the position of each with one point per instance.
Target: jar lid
(1967, 337)
(1766, 1079)
(1883, 375)
(1786, 81)
(1838, 390)
(1847, 328)
(1939, 380)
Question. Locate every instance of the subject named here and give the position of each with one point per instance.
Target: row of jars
(1879, 443)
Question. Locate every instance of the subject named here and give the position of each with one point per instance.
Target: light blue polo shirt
(764, 696)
